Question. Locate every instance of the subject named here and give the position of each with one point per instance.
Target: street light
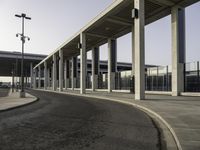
(22, 37)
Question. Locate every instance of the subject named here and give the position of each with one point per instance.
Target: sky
(54, 21)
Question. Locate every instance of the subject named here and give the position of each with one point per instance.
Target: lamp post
(22, 37)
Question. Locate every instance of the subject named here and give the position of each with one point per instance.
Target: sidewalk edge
(18, 106)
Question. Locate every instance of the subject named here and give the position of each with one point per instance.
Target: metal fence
(156, 79)
(192, 79)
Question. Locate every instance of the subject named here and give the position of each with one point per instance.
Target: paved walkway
(13, 101)
(181, 113)
(4, 92)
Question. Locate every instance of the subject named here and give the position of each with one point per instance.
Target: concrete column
(178, 50)
(45, 75)
(54, 74)
(83, 63)
(48, 77)
(67, 69)
(13, 80)
(139, 50)
(95, 67)
(39, 77)
(112, 63)
(34, 78)
(31, 75)
(61, 70)
(74, 72)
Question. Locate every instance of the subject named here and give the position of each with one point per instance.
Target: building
(122, 17)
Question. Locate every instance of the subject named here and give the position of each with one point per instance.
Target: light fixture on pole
(22, 37)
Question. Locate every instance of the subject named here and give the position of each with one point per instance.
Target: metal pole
(22, 61)
(13, 79)
(17, 76)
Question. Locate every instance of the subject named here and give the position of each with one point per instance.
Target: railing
(103, 81)
(123, 80)
(156, 79)
(192, 78)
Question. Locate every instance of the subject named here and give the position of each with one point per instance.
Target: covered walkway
(120, 18)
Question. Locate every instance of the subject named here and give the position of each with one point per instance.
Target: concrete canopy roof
(9, 61)
(115, 21)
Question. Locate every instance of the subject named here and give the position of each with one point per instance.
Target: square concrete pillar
(112, 63)
(54, 74)
(34, 78)
(178, 49)
(95, 67)
(139, 50)
(45, 75)
(67, 74)
(74, 72)
(83, 63)
(48, 77)
(31, 75)
(39, 77)
(61, 70)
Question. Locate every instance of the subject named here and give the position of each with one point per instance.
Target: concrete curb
(153, 115)
(22, 105)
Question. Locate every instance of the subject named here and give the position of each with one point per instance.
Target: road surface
(62, 122)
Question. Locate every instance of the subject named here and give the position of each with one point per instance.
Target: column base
(22, 94)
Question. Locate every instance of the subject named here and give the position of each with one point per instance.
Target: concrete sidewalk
(180, 114)
(13, 101)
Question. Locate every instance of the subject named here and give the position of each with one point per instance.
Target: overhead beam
(119, 21)
(155, 12)
(163, 2)
(97, 35)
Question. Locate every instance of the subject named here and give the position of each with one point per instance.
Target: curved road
(65, 122)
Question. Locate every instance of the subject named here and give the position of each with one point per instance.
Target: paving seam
(144, 109)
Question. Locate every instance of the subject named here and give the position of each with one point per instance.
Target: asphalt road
(4, 92)
(62, 122)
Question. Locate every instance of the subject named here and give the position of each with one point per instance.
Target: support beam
(66, 76)
(163, 2)
(139, 50)
(97, 35)
(112, 63)
(48, 77)
(34, 78)
(74, 72)
(83, 63)
(13, 80)
(54, 74)
(178, 50)
(39, 76)
(61, 70)
(95, 67)
(31, 75)
(45, 75)
(119, 21)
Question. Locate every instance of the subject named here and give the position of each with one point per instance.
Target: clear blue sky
(54, 21)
